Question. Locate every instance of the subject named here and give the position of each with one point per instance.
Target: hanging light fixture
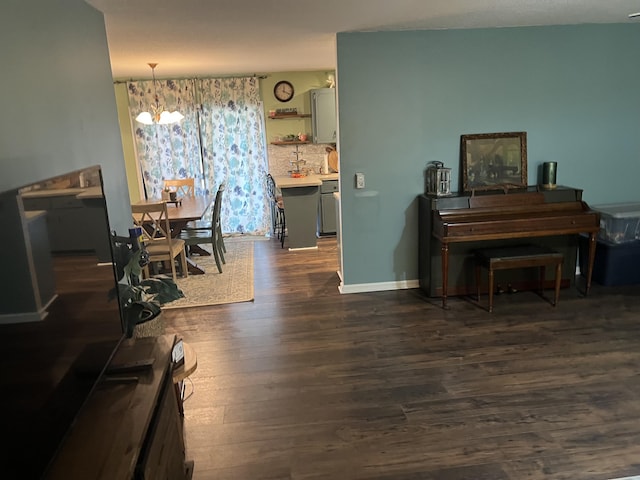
(158, 114)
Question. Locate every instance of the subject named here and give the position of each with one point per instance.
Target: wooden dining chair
(211, 233)
(154, 220)
(184, 187)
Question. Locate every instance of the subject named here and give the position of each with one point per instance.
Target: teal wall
(406, 97)
(57, 98)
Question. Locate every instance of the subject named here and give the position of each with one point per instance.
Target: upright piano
(451, 227)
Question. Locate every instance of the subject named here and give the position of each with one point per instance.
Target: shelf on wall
(297, 142)
(297, 115)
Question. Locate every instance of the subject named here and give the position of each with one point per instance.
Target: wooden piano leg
(557, 285)
(491, 281)
(445, 273)
(592, 257)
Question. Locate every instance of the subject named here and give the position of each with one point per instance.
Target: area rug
(234, 284)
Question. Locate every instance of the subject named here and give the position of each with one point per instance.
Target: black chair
(211, 233)
(278, 220)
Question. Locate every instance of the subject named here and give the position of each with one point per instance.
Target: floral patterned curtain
(166, 151)
(220, 139)
(234, 150)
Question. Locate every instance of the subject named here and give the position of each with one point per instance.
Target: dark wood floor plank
(305, 383)
(606, 463)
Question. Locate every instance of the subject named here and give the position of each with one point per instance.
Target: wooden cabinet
(324, 117)
(130, 426)
(164, 455)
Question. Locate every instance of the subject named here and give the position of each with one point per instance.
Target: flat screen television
(59, 329)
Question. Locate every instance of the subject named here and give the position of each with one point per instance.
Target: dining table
(182, 211)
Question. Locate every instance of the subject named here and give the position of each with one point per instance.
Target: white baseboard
(377, 287)
(302, 248)
(27, 317)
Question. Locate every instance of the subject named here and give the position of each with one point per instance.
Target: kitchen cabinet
(323, 115)
(327, 207)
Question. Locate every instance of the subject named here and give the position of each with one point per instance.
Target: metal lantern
(438, 179)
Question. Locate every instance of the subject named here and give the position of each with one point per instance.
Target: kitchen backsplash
(280, 157)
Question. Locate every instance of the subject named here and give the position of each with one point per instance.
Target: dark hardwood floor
(305, 383)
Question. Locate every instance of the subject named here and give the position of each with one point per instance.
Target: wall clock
(283, 91)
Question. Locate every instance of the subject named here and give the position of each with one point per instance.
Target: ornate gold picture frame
(493, 161)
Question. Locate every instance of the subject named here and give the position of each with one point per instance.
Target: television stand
(130, 367)
(138, 423)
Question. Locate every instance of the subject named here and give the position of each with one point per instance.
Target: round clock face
(283, 91)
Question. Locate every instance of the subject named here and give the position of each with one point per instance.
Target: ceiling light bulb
(165, 118)
(145, 118)
(176, 116)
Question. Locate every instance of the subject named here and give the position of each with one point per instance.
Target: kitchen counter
(91, 192)
(308, 181)
(301, 197)
(288, 182)
(53, 192)
(80, 193)
(329, 176)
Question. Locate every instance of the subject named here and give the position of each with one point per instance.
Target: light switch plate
(359, 180)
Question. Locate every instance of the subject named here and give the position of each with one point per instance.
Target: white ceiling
(225, 37)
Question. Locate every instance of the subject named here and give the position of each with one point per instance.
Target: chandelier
(158, 114)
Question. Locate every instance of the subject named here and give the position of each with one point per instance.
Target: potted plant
(141, 300)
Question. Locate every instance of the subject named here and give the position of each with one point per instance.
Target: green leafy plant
(141, 300)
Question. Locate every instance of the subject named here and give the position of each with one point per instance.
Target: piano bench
(520, 256)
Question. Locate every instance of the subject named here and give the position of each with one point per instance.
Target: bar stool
(278, 219)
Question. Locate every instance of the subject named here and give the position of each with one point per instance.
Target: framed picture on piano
(493, 161)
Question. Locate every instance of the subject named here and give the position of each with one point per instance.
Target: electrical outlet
(359, 180)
